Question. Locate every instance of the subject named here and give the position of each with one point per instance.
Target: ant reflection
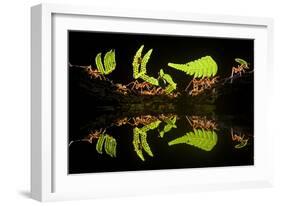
(202, 136)
(201, 122)
(240, 138)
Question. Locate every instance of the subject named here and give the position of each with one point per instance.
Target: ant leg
(231, 77)
(231, 131)
(188, 85)
(188, 120)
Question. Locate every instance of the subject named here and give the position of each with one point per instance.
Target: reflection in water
(109, 144)
(240, 138)
(141, 120)
(170, 124)
(140, 141)
(103, 140)
(94, 135)
(203, 139)
(201, 132)
(201, 122)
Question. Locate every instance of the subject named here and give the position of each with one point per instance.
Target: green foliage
(109, 144)
(144, 61)
(136, 63)
(170, 124)
(139, 66)
(149, 79)
(144, 143)
(203, 67)
(140, 139)
(241, 61)
(99, 63)
(242, 144)
(137, 143)
(203, 139)
(151, 126)
(171, 84)
(99, 144)
(109, 62)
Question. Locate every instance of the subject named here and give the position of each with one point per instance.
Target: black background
(84, 46)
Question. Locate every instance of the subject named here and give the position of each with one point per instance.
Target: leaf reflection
(200, 132)
(140, 139)
(109, 144)
(203, 139)
(170, 124)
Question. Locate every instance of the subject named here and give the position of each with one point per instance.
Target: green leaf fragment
(109, 62)
(172, 85)
(99, 63)
(149, 79)
(205, 140)
(144, 61)
(241, 61)
(203, 67)
(99, 144)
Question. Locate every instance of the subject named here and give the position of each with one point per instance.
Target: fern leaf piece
(151, 126)
(100, 142)
(109, 62)
(144, 144)
(205, 140)
(110, 146)
(170, 124)
(144, 61)
(203, 67)
(213, 65)
(241, 61)
(106, 62)
(181, 67)
(140, 139)
(137, 143)
(149, 79)
(242, 144)
(169, 89)
(172, 85)
(136, 63)
(99, 63)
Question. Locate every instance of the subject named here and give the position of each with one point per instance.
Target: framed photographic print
(134, 102)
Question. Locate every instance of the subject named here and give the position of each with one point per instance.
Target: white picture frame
(49, 179)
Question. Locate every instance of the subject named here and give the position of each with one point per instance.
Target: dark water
(180, 147)
(197, 134)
